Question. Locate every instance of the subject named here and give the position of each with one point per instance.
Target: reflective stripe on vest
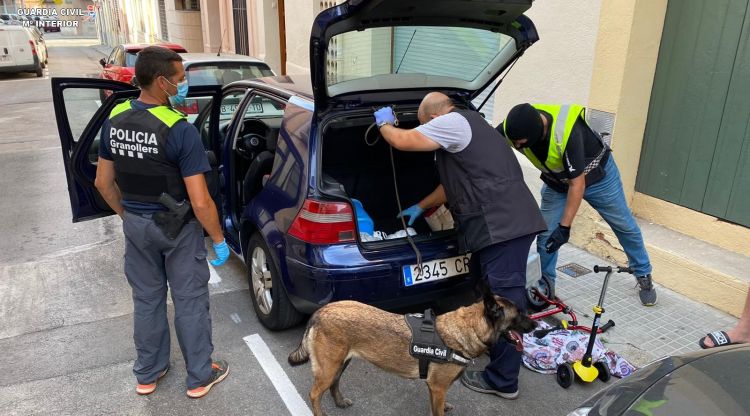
(166, 115)
(560, 133)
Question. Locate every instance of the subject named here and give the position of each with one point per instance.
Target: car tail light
(324, 223)
(33, 48)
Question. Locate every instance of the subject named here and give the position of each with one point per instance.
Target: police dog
(342, 330)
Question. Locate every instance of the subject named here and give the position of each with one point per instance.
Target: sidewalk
(641, 334)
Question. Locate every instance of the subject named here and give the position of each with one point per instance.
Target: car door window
(111, 57)
(228, 106)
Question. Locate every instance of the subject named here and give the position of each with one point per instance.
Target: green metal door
(696, 149)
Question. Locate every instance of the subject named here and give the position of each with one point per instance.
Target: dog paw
(344, 403)
(448, 407)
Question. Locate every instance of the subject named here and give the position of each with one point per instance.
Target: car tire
(565, 375)
(603, 369)
(270, 301)
(534, 302)
(39, 71)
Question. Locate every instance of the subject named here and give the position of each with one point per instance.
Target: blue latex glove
(413, 212)
(385, 115)
(222, 253)
(558, 237)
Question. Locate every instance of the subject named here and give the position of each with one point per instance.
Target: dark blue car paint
(315, 274)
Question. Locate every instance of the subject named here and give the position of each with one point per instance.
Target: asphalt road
(66, 310)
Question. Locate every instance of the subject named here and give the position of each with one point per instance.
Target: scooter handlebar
(608, 269)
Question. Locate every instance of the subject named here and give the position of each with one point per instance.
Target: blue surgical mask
(182, 90)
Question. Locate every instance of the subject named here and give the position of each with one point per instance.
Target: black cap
(524, 122)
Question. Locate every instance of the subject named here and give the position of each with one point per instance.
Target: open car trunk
(355, 170)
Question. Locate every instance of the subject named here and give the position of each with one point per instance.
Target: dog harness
(426, 344)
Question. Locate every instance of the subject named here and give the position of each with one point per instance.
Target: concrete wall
(184, 27)
(300, 15)
(558, 68)
(265, 43)
(211, 25)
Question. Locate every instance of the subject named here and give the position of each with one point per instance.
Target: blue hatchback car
(291, 153)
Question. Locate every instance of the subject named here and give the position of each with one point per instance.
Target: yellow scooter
(584, 369)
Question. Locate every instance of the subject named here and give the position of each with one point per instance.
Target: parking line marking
(278, 377)
(214, 279)
(98, 103)
(235, 318)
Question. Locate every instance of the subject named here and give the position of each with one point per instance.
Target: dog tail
(301, 355)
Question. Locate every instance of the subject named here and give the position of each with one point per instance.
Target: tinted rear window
(222, 73)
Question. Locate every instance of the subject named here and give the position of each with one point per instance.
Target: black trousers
(503, 266)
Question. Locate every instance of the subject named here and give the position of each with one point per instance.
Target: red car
(120, 64)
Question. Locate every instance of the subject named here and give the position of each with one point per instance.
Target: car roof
(194, 57)
(14, 27)
(299, 85)
(135, 47)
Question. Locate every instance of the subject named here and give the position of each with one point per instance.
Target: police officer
(576, 165)
(497, 217)
(148, 148)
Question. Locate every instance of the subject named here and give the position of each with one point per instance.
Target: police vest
(137, 141)
(563, 119)
(489, 200)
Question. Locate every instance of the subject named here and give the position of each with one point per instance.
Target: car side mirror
(102, 62)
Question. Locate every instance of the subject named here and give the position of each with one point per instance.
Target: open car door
(80, 115)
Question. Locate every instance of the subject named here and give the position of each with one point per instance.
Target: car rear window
(222, 73)
(446, 56)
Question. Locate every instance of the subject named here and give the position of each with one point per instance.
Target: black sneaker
(219, 371)
(646, 290)
(474, 380)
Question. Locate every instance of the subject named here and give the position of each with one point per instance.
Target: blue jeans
(608, 199)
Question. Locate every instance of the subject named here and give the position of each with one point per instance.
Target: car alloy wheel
(262, 280)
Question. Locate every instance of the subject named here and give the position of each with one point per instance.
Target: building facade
(665, 78)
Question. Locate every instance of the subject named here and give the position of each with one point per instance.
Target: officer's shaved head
(433, 105)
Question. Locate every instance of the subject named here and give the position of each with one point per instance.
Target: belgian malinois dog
(342, 330)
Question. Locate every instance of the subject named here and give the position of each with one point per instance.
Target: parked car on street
(120, 64)
(292, 155)
(708, 382)
(210, 69)
(10, 19)
(21, 50)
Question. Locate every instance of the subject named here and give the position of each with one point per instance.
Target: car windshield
(400, 56)
(222, 73)
(130, 58)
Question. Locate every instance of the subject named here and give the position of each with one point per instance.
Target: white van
(18, 51)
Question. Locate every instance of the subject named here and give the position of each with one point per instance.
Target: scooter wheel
(565, 375)
(534, 302)
(604, 374)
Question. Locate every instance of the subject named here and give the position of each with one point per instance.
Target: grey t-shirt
(451, 131)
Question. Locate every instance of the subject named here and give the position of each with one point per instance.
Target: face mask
(182, 90)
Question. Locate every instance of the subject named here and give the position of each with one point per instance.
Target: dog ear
(492, 309)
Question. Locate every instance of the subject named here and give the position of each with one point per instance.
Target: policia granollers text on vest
(484, 184)
(137, 140)
(564, 117)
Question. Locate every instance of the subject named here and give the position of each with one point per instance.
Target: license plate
(431, 271)
(228, 109)
(254, 108)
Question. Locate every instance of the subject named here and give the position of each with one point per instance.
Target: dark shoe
(474, 380)
(144, 389)
(646, 290)
(219, 371)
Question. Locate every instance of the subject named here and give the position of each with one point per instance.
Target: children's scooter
(584, 369)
